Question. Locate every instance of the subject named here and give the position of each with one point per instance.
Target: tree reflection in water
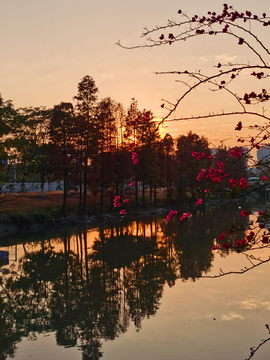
(90, 294)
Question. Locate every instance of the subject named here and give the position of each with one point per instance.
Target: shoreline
(35, 220)
(15, 222)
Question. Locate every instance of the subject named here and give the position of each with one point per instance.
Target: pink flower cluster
(245, 213)
(135, 158)
(199, 202)
(243, 183)
(215, 175)
(170, 215)
(238, 152)
(201, 175)
(198, 156)
(185, 216)
(132, 183)
(238, 243)
(233, 182)
(222, 237)
(116, 201)
(220, 164)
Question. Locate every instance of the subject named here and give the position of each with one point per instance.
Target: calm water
(139, 290)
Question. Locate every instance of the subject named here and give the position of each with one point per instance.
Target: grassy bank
(30, 211)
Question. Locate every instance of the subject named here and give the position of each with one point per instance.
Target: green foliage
(21, 220)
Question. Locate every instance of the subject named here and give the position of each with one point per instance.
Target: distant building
(263, 153)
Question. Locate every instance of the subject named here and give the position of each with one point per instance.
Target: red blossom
(244, 213)
(233, 182)
(220, 164)
(135, 158)
(222, 236)
(170, 215)
(243, 183)
(185, 216)
(216, 179)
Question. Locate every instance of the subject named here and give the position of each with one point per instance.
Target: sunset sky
(47, 46)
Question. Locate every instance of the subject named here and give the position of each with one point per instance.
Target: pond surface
(144, 289)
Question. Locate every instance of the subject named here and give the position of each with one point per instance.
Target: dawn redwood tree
(123, 164)
(168, 164)
(29, 136)
(153, 167)
(85, 106)
(61, 131)
(146, 137)
(7, 113)
(131, 136)
(106, 137)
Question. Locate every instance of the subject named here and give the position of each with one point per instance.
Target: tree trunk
(42, 185)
